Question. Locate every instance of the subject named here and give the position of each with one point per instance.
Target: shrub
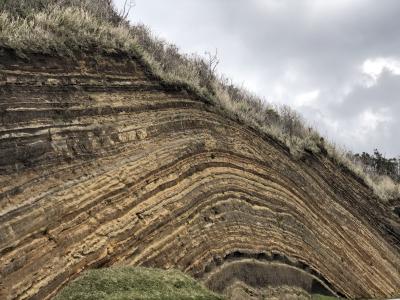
(102, 9)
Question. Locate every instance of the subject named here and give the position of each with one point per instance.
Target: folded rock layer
(102, 164)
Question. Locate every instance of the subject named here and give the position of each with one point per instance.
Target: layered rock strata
(101, 164)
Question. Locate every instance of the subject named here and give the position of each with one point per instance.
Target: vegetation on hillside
(67, 27)
(378, 164)
(135, 284)
(102, 9)
(384, 173)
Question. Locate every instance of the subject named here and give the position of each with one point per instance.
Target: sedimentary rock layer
(101, 164)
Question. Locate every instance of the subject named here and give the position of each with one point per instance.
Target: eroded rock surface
(102, 165)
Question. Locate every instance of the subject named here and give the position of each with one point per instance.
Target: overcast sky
(337, 62)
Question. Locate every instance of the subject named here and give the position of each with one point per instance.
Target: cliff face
(100, 164)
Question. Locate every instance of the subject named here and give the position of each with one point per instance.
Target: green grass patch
(128, 283)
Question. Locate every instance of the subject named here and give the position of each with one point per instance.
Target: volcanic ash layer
(102, 164)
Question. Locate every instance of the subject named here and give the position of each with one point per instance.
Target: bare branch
(128, 5)
(213, 61)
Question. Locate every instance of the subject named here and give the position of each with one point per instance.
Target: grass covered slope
(68, 27)
(135, 283)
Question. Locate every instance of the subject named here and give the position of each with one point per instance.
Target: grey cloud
(384, 94)
(382, 99)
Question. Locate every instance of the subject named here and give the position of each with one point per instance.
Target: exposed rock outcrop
(101, 164)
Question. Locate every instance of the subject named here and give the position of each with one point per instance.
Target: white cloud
(373, 68)
(271, 5)
(327, 6)
(366, 129)
(307, 99)
(371, 120)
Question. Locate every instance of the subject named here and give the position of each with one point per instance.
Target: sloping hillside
(102, 165)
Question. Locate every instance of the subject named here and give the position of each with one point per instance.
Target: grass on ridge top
(128, 283)
(67, 27)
